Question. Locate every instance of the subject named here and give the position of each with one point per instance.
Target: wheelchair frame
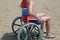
(17, 31)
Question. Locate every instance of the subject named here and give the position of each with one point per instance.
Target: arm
(21, 5)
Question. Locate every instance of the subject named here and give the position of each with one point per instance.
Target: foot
(50, 36)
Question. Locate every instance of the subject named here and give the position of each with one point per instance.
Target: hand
(41, 20)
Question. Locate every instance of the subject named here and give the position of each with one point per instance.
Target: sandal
(50, 36)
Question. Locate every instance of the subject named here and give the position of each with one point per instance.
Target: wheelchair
(27, 31)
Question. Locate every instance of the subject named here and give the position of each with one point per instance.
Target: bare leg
(48, 25)
(40, 14)
(47, 19)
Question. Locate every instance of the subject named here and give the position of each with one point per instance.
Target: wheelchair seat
(26, 19)
(33, 20)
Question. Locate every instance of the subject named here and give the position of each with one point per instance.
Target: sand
(9, 10)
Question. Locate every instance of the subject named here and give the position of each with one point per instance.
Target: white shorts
(44, 18)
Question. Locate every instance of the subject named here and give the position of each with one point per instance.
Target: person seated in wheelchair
(28, 11)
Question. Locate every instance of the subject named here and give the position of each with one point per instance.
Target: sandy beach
(9, 10)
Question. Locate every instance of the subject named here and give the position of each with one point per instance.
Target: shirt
(24, 3)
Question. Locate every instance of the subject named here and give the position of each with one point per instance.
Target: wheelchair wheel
(31, 31)
(17, 22)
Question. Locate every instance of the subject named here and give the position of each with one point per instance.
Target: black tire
(14, 24)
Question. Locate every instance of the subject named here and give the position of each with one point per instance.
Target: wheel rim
(28, 30)
(17, 22)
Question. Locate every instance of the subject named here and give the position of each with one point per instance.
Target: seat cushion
(26, 19)
(32, 19)
(35, 21)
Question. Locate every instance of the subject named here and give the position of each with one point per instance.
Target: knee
(41, 14)
(49, 18)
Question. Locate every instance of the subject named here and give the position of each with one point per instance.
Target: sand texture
(9, 10)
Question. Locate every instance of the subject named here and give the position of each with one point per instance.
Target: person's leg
(48, 24)
(40, 14)
(47, 20)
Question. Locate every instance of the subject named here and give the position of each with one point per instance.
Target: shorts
(44, 18)
(25, 12)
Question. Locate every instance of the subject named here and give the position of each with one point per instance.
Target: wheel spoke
(21, 21)
(36, 28)
(17, 24)
(32, 27)
(17, 30)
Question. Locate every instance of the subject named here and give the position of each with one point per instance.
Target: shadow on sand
(9, 36)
